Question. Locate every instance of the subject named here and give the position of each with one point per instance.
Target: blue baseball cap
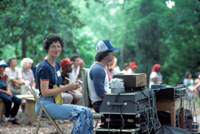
(105, 45)
(3, 63)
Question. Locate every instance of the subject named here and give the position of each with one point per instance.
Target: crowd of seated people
(15, 80)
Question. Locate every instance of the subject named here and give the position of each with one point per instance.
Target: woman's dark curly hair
(52, 38)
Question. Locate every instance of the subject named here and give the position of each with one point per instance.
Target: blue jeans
(97, 105)
(81, 116)
(9, 111)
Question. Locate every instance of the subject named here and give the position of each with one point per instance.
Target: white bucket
(117, 85)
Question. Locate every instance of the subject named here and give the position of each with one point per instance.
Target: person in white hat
(8, 97)
(97, 77)
(27, 75)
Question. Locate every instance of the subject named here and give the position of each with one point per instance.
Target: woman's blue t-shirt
(46, 72)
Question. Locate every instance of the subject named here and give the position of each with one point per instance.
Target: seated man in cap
(97, 77)
(69, 97)
(8, 97)
(132, 68)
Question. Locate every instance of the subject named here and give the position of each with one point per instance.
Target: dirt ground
(45, 128)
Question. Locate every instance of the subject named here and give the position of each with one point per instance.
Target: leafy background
(146, 31)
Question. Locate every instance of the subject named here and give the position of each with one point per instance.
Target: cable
(147, 122)
(109, 124)
(122, 123)
(150, 116)
(120, 110)
(146, 127)
(155, 116)
(152, 112)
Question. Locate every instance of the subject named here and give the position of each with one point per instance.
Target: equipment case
(116, 131)
(130, 121)
(126, 103)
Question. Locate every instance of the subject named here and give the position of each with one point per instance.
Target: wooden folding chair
(42, 109)
(86, 98)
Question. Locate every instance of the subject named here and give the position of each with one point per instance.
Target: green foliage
(182, 36)
(29, 22)
(146, 31)
(8, 50)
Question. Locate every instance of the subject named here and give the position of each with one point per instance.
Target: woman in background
(27, 75)
(188, 81)
(155, 76)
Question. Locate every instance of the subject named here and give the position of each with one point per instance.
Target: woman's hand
(73, 86)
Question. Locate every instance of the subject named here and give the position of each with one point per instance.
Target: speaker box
(133, 81)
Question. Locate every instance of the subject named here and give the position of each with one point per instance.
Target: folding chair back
(45, 111)
(86, 98)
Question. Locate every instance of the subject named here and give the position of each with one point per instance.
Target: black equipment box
(123, 121)
(164, 93)
(116, 131)
(170, 92)
(133, 81)
(131, 103)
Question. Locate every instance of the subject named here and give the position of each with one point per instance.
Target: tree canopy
(146, 31)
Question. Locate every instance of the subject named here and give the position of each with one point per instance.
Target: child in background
(8, 97)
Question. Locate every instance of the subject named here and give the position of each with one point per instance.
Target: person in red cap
(66, 66)
(155, 76)
(69, 97)
(133, 67)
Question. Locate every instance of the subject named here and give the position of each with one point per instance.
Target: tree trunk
(23, 46)
(24, 38)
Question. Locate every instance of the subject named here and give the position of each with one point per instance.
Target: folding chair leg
(39, 118)
(55, 125)
(45, 111)
(52, 121)
(96, 123)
